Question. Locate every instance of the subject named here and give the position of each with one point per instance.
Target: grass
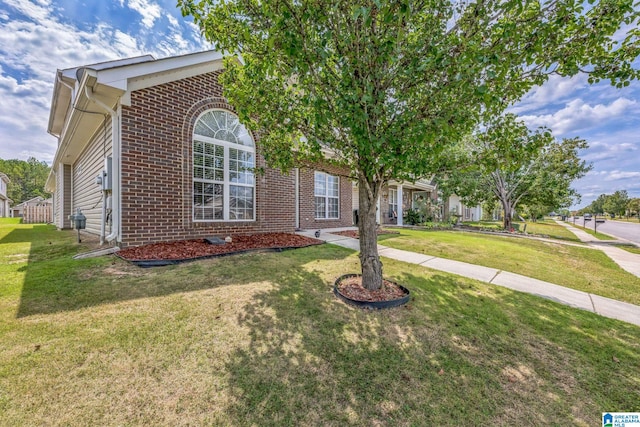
(543, 228)
(623, 219)
(579, 268)
(261, 340)
(596, 234)
(494, 225)
(632, 249)
(550, 229)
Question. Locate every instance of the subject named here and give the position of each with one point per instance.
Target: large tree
(508, 163)
(616, 203)
(27, 178)
(385, 85)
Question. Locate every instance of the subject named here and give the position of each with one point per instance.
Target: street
(624, 230)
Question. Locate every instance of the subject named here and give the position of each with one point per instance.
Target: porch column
(399, 213)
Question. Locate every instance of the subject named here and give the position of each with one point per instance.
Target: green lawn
(261, 340)
(632, 249)
(546, 228)
(549, 228)
(623, 219)
(589, 229)
(585, 269)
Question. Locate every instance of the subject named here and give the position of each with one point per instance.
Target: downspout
(297, 198)
(115, 170)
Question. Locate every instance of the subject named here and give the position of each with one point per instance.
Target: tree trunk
(367, 227)
(508, 213)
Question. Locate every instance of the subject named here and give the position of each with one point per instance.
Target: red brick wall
(307, 201)
(156, 162)
(157, 168)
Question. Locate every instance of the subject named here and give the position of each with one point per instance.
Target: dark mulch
(354, 233)
(193, 249)
(351, 287)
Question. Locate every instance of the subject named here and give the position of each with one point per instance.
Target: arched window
(223, 164)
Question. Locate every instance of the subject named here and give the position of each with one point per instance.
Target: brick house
(149, 150)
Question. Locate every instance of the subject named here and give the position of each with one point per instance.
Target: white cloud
(30, 9)
(149, 11)
(34, 43)
(31, 100)
(40, 47)
(578, 115)
(555, 89)
(612, 148)
(616, 175)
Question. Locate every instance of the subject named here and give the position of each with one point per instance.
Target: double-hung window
(223, 169)
(326, 190)
(393, 203)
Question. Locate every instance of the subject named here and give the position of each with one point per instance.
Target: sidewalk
(603, 306)
(626, 260)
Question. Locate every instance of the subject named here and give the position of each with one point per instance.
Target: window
(420, 199)
(393, 203)
(326, 196)
(223, 162)
(467, 213)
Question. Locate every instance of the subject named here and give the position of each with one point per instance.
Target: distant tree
(633, 207)
(616, 203)
(597, 206)
(384, 86)
(511, 164)
(489, 209)
(534, 211)
(27, 178)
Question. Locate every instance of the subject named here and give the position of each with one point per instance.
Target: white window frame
(325, 177)
(393, 202)
(226, 181)
(467, 212)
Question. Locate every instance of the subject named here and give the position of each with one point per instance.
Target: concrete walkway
(604, 306)
(628, 261)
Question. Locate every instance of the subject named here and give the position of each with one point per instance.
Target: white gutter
(115, 192)
(59, 79)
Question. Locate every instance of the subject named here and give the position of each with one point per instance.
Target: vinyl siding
(62, 197)
(87, 195)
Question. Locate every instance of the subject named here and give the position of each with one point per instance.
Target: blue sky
(39, 36)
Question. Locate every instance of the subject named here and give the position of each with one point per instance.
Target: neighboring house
(149, 150)
(463, 212)
(18, 210)
(4, 200)
(397, 198)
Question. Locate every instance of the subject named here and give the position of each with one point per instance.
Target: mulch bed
(351, 287)
(354, 233)
(187, 250)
